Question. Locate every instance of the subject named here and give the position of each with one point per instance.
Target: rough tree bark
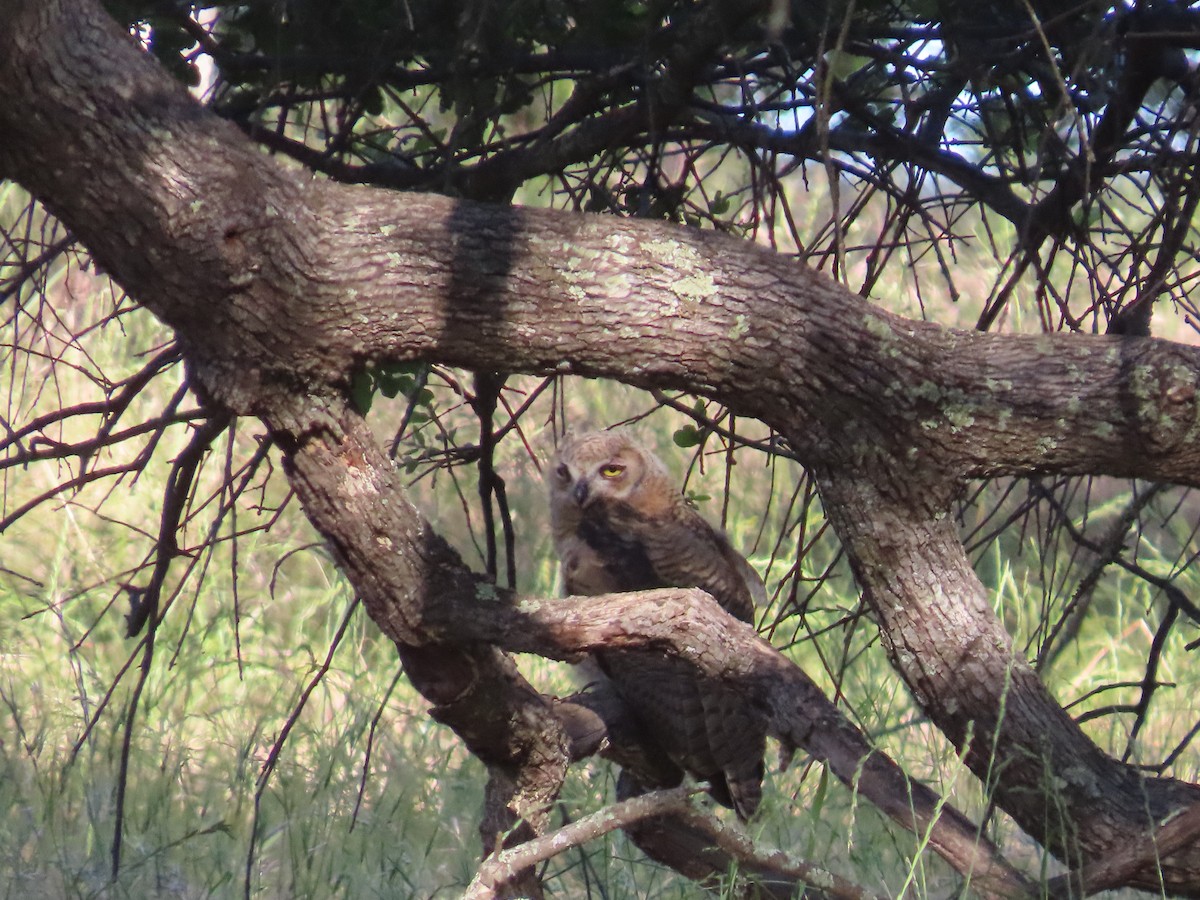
(278, 287)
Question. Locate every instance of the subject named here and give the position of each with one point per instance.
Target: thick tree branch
(1167, 840)
(912, 567)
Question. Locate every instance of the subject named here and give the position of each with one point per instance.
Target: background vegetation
(276, 744)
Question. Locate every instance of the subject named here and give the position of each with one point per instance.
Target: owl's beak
(580, 493)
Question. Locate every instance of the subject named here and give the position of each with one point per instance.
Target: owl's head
(604, 467)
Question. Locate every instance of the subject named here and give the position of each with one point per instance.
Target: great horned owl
(620, 524)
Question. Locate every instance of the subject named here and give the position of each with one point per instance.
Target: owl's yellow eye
(612, 470)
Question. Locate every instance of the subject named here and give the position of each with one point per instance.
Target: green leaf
(373, 101)
(687, 436)
(362, 391)
(393, 383)
(394, 379)
(842, 64)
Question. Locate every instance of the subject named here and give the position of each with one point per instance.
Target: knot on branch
(1161, 396)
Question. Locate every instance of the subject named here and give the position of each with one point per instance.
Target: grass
(204, 729)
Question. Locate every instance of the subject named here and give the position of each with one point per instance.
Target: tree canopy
(732, 193)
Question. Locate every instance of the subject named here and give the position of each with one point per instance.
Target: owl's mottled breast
(624, 557)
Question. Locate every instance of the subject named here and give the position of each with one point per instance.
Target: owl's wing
(750, 577)
(703, 726)
(686, 551)
(737, 736)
